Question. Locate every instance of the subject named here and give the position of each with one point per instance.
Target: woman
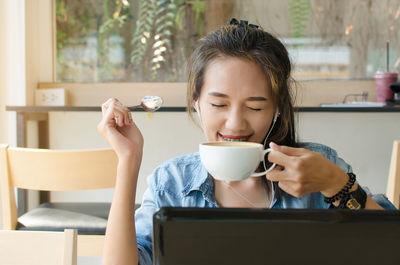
(239, 83)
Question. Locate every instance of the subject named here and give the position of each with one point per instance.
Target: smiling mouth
(243, 139)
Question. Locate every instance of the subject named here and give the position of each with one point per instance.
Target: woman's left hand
(300, 171)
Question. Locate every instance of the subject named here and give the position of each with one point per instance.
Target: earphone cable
(244, 197)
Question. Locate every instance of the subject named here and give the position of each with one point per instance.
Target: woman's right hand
(118, 128)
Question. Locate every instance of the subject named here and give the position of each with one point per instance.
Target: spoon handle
(134, 107)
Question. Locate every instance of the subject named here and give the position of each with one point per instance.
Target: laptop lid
(216, 236)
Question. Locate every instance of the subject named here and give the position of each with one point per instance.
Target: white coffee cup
(233, 161)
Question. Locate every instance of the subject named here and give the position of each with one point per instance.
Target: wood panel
(308, 93)
(313, 93)
(94, 94)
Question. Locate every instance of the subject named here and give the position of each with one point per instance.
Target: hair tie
(233, 21)
(242, 23)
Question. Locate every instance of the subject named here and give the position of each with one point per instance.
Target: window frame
(42, 48)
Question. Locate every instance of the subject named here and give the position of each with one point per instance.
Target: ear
(196, 105)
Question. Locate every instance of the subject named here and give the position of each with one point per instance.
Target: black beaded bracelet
(344, 191)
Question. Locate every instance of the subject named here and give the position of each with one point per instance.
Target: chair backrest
(52, 170)
(393, 185)
(37, 247)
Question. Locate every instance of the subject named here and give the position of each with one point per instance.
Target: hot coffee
(233, 161)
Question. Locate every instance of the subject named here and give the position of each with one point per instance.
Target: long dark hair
(254, 44)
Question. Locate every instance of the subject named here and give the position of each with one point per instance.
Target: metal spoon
(149, 103)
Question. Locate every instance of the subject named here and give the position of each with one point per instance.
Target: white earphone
(269, 132)
(276, 115)
(196, 107)
(272, 126)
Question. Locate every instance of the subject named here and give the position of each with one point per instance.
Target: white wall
(3, 129)
(3, 95)
(166, 135)
(364, 140)
(12, 66)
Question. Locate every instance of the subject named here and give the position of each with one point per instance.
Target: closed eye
(255, 109)
(218, 106)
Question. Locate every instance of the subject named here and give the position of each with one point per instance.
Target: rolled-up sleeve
(144, 223)
(380, 199)
(332, 155)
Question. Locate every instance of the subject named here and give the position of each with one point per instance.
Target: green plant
(198, 7)
(120, 14)
(299, 13)
(157, 45)
(67, 24)
(154, 32)
(144, 26)
(77, 22)
(163, 24)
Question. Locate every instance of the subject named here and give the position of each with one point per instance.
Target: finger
(113, 114)
(279, 158)
(288, 188)
(121, 114)
(117, 114)
(107, 104)
(290, 151)
(109, 117)
(126, 118)
(278, 175)
(130, 118)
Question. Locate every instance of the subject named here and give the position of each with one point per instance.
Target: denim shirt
(184, 182)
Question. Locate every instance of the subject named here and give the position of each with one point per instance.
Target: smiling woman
(227, 85)
(238, 80)
(258, 81)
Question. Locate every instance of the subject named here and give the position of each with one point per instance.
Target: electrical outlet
(50, 97)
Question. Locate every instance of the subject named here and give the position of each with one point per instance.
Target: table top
(183, 109)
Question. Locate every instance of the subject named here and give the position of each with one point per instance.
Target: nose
(236, 120)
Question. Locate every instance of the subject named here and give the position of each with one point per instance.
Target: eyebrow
(217, 94)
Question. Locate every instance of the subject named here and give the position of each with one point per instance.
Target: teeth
(235, 140)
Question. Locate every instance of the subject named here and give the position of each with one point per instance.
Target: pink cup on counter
(383, 81)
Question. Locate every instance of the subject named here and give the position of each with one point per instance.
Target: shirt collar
(201, 181)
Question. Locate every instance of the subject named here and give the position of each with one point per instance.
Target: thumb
(287, 150)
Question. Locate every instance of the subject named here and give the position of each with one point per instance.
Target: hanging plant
(162, 34)
(198, 7)
(144, 25)
(155, 30)
(120, 14)
(299, 12)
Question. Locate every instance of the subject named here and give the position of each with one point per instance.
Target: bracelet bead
(344, 191)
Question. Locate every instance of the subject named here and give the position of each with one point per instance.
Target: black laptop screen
(216, 236)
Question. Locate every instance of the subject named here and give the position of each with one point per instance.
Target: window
(150, 40)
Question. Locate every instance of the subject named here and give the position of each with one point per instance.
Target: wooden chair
(37, 247)
(58, 170)
(393, 185)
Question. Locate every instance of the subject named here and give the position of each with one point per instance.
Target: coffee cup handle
(259, 174)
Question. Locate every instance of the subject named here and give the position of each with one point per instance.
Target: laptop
(216, 236)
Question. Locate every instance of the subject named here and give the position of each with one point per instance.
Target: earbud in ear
(196, 107)
(276, 115)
